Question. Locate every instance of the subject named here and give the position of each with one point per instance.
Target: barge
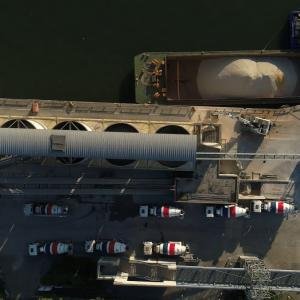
(182, 78)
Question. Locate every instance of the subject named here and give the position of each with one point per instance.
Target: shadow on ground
(123, 208)
(252, 236)
(295, 177)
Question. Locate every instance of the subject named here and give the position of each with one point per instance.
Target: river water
(83, 50)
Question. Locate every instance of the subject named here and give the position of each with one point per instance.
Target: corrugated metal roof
(99, 145)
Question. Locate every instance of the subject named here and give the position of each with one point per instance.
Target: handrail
(246, 156)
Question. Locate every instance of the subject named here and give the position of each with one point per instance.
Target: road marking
(99, 231)
(3, 244)
(244, 234)
(19, 296)
(43, 161)
(11, 228)
(5, 241)
(79, 179)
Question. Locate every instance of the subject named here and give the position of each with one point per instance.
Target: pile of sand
(246, 78)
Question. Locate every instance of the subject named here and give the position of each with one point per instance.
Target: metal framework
(260, 278)
(246, 156)
(253, 278)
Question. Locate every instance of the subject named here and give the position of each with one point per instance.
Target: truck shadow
(219, 239)
(295, 178)
(248, 143)
(123, 208)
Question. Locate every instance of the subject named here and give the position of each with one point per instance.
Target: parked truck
(50, 248)
(275, 207)
(45, 209)
(165, 248)
(226, 211)
(160, 211)
(105, 247)
(253, 206)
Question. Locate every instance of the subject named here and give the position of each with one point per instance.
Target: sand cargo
(250, 78)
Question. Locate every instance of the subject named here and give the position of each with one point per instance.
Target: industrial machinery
(50, 248)
(255, 206)
(226, 211)
(255, 125)
(105, 247)
(45, 209)
(160, 211)
(276, 207)
(165, 248)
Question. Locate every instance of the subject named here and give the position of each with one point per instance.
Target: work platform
(224, 157)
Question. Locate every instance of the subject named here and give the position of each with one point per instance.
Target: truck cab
(34, 249)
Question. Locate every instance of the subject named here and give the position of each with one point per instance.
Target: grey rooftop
(97, 145)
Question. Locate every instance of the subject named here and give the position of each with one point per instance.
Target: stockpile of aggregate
(246, 78)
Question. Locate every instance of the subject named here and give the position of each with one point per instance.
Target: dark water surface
(84, 49)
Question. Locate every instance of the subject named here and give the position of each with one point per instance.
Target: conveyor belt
(233, 278)
(194, 276)
(151, 272)
(247, 156)
(212, 277)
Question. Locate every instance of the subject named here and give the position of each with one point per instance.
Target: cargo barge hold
(174, 78)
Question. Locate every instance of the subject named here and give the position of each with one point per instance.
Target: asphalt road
(213, 241)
